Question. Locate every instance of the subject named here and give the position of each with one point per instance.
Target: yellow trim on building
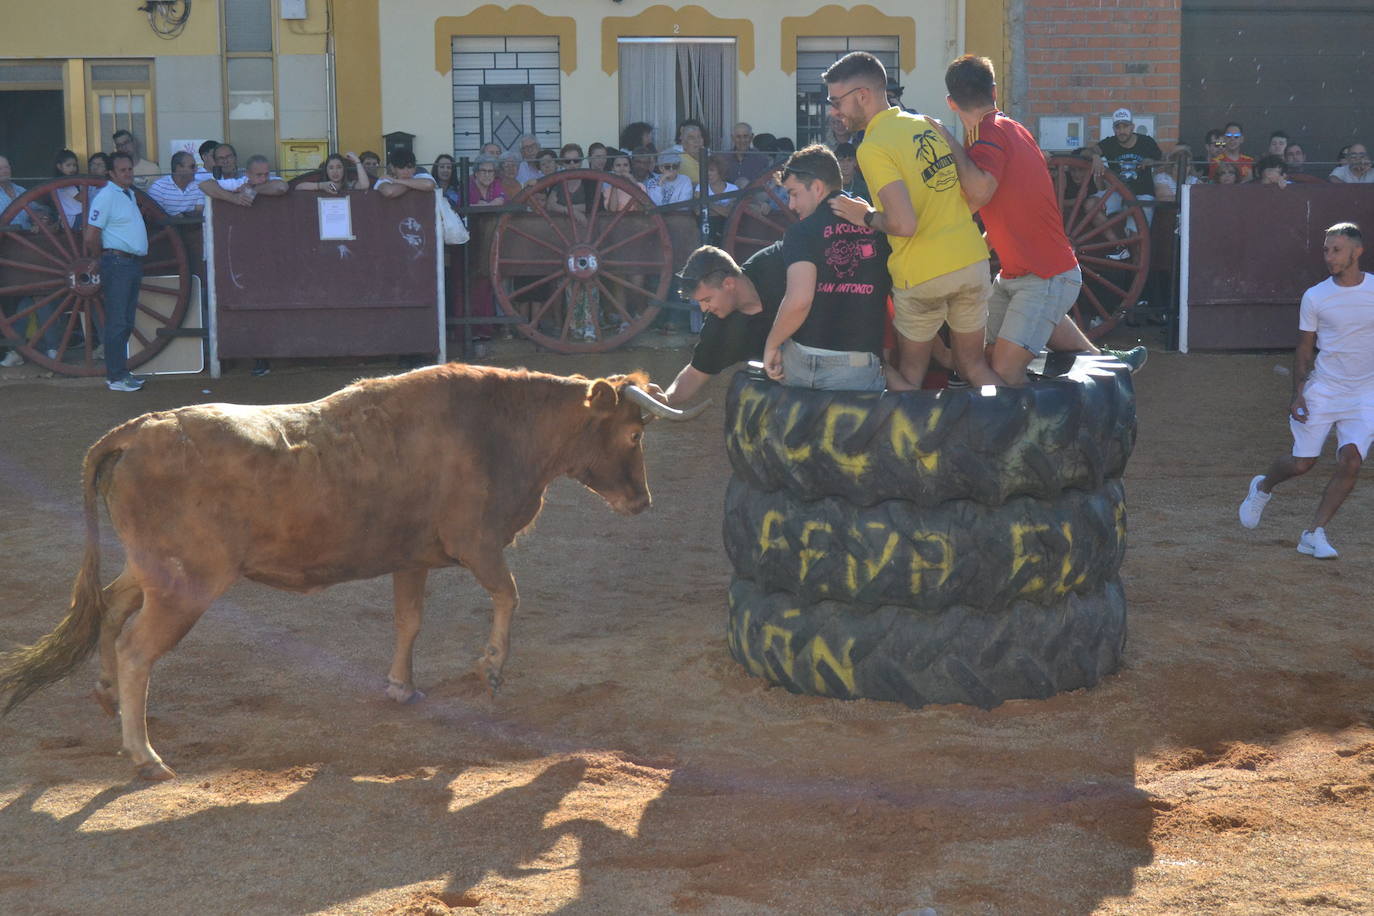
(358, 74)
(987, 35)
(494, 20)
(684, 22)
(844, 21)
(74, 98)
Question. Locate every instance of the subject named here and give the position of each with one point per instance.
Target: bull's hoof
(157, 771)
(110, 706)
(494, 681)
(403, 693)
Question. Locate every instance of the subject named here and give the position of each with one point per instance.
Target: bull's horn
(659, 409)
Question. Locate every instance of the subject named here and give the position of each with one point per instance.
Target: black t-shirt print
(1127, 162)
(849, 306)
(739, 337)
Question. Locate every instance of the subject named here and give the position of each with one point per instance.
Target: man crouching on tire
(813, 306)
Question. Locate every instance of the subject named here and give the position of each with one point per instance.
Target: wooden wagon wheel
(46, 261)
(594, 278)
(1114, 257)
(746, 229)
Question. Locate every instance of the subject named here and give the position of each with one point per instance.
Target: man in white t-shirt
(1332, 388)
(1356, 168)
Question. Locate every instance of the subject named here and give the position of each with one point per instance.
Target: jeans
(119, 282)
(833, 370)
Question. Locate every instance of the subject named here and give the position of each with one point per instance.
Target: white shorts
(1309, 437)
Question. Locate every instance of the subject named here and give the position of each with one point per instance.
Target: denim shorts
(833, 370)
(1024, 310)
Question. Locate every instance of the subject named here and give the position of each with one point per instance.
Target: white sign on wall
(188, 146)
(1061, 133)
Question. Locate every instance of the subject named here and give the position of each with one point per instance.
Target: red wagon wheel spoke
(538, 241)
(33, 268)
(72, 241)
(595, 210)
(628, 285)
(52, 319)
(1073, 219)
(28, 289)
(66, 340)
(650, 264)
(619, 306)
(1103, 228)
(538, 206)
(529, 286)
(148, 310)
(20, 318)
(42, 252)
(648, 230)
(1097, 303)
(548, 303)
(1103, 281)
(534, 262)
(600, 239)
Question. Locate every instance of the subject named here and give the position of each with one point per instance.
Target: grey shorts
(834, 370)
(1024, 310)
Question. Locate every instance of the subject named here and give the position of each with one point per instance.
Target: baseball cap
(1122, 114)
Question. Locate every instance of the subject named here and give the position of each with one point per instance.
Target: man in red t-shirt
(1006, 181)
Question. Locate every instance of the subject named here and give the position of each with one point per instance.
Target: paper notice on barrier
(336, 219)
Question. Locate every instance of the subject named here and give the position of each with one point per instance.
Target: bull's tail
(27, 670)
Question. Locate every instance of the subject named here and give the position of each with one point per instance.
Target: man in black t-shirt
(740, 304)
(1132, 157)
(829, 329)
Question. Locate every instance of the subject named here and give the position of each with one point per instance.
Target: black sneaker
(1134, 358)
(260, 368)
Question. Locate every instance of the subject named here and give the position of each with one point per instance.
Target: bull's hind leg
(165, 618)
(408, 587)
(494, 576)
(122, 597)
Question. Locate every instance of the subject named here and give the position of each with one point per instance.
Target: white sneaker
(1252, 507)
(52, 354)
(12, 359)
(1315, 544)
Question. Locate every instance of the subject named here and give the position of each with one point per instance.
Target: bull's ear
(602, 396)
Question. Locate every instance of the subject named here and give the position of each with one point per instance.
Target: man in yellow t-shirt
(939, 261)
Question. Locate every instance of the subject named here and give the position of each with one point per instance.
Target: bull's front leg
(495, 577)
(408, 588)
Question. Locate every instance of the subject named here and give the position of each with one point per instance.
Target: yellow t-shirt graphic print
(900, 146)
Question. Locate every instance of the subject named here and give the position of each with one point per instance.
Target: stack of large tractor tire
(955, 546)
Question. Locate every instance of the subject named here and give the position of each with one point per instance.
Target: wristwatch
(868, 218)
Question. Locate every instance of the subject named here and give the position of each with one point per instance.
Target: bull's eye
(637, 437)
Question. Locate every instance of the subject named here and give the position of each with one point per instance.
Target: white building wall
(190, 101)
(418, 99)
(302, 97)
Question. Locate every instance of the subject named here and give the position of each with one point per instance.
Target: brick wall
(1088, 57)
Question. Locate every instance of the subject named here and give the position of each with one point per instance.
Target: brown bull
(399, 475)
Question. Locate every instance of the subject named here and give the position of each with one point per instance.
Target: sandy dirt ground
(630, 766)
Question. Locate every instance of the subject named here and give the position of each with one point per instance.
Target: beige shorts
(959, 297)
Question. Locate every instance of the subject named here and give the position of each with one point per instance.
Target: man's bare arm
(90, 238)
(1304, 358)
(274, 188)
(686, 386)
(896, 218)
(795, 307)
(978, 186)
(212, 188)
